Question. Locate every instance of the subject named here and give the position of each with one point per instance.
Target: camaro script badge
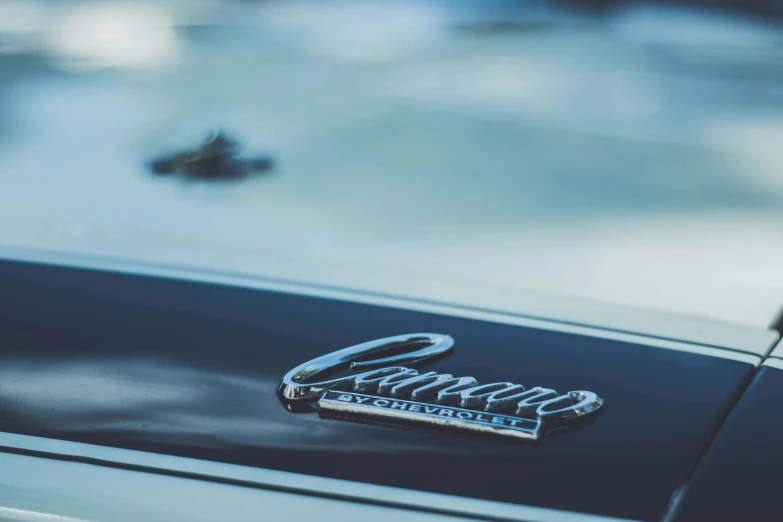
(390, 394)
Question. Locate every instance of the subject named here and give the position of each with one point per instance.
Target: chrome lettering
(505, 398)
(478, 395)
(450, 393)
(572, 405)
(432, 386)
(295, 385)
(368, 382)
(412, 385)
(400, 383)
(386, 385)
(532, 399)
(448, 418)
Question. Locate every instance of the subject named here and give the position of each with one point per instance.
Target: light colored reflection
(8, 514)
(358, 31)
(155, 399)
(133, 35)
(34, 489)
(758, 140)
(633, 160)
(486, 83)
(635, 94)
(20, 16)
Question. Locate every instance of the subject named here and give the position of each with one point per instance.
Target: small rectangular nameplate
(372, 408)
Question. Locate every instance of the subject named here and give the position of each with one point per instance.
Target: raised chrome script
(430, 399)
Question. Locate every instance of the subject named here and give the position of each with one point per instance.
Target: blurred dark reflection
(216, 158)
(762, 8)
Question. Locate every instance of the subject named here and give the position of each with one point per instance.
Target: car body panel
(191, 369)
(739, 477)
(452, 297)
(35, 489)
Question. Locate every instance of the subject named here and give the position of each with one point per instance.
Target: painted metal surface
(462, 299)
(777, 351)
(43, 490)
(273, 480)
(192, 369)
(740, 476)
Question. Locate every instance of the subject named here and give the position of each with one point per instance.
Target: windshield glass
(621, 152)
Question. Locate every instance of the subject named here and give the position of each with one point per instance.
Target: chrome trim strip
(774, 362)
(748, 354)
(777, 350)
(37, 489)
(23, 515)
(287, 481)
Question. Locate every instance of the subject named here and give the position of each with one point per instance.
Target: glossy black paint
(191, 369)
(740, 476)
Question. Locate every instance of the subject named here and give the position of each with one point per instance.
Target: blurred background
(613, 151)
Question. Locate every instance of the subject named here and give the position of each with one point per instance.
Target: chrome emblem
(389, 394)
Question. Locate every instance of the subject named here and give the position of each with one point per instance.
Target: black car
(421, 260)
